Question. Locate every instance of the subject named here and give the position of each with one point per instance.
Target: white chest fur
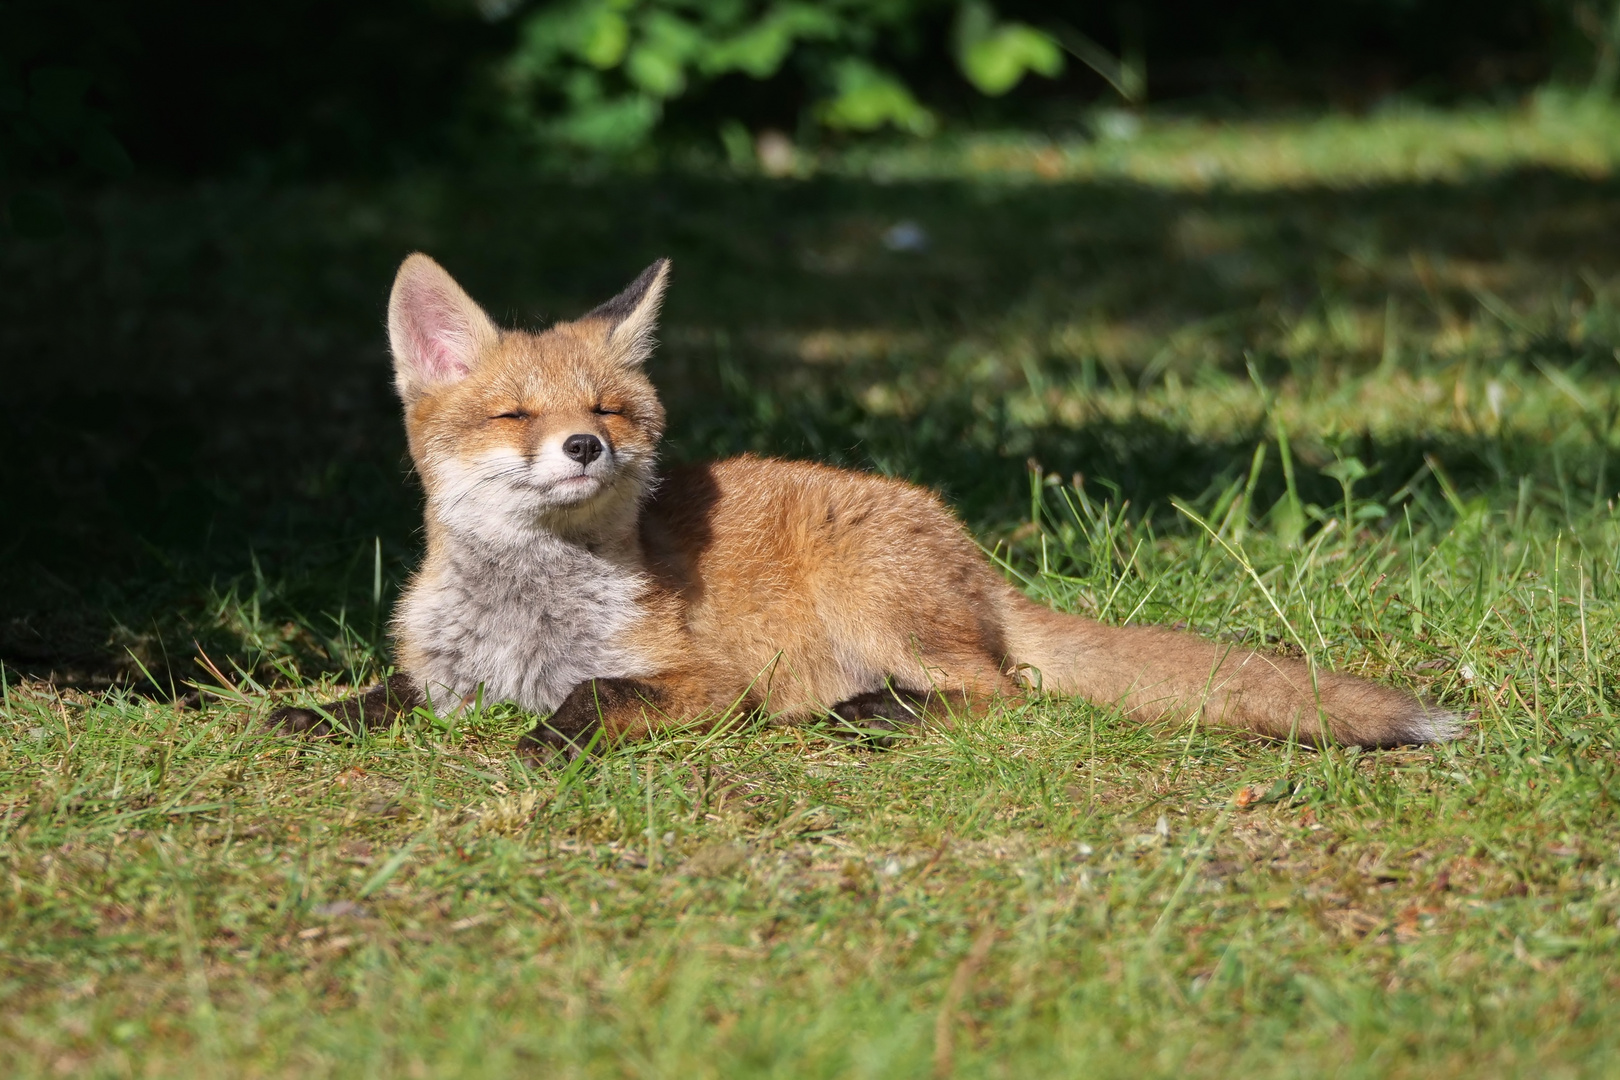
(528, 627)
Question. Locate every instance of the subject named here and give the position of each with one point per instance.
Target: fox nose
(583, 448)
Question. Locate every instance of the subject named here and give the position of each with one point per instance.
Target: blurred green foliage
(995, 55)
(293, 88)
(597, 73)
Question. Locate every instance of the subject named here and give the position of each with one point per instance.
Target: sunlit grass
(1355, 401)
(1554, 129)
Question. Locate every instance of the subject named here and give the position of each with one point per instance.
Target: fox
(566, 573)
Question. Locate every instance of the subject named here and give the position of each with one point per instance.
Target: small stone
(776, 153)
(905, 236)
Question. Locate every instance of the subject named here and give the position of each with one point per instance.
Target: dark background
(309, 87)
(200, 448)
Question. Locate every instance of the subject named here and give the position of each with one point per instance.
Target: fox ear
(632, 316)
(435, 330)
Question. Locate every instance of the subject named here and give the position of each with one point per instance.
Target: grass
(1366, 415)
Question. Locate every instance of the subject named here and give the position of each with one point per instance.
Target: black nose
(583, 448)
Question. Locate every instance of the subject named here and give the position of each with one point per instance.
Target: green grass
(1362, 413)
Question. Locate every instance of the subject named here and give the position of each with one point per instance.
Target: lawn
(1343, 387)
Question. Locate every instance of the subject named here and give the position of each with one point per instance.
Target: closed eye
(607, 410)
(514, 414)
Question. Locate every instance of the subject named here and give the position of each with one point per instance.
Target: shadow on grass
(201, 445)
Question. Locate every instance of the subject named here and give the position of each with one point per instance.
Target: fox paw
(304, 723)
(549, 744)
(375, 708)
(583, 721)
(878, 718)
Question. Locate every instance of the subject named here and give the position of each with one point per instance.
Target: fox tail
(1151, 672)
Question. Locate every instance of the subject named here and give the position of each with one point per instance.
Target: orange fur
(746, 584)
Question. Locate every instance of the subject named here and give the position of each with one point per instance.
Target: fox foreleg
(374, 708)
(602, 712)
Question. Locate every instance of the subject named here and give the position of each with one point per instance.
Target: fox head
(515, 433)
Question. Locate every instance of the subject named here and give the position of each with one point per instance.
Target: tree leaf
(868, 98)
(604, 38)
(760, 50)
(997, 63)
(610, 124)
(995, 55)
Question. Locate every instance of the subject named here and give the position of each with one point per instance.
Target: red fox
(566, 574)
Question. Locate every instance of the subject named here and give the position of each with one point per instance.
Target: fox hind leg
(880, 718)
